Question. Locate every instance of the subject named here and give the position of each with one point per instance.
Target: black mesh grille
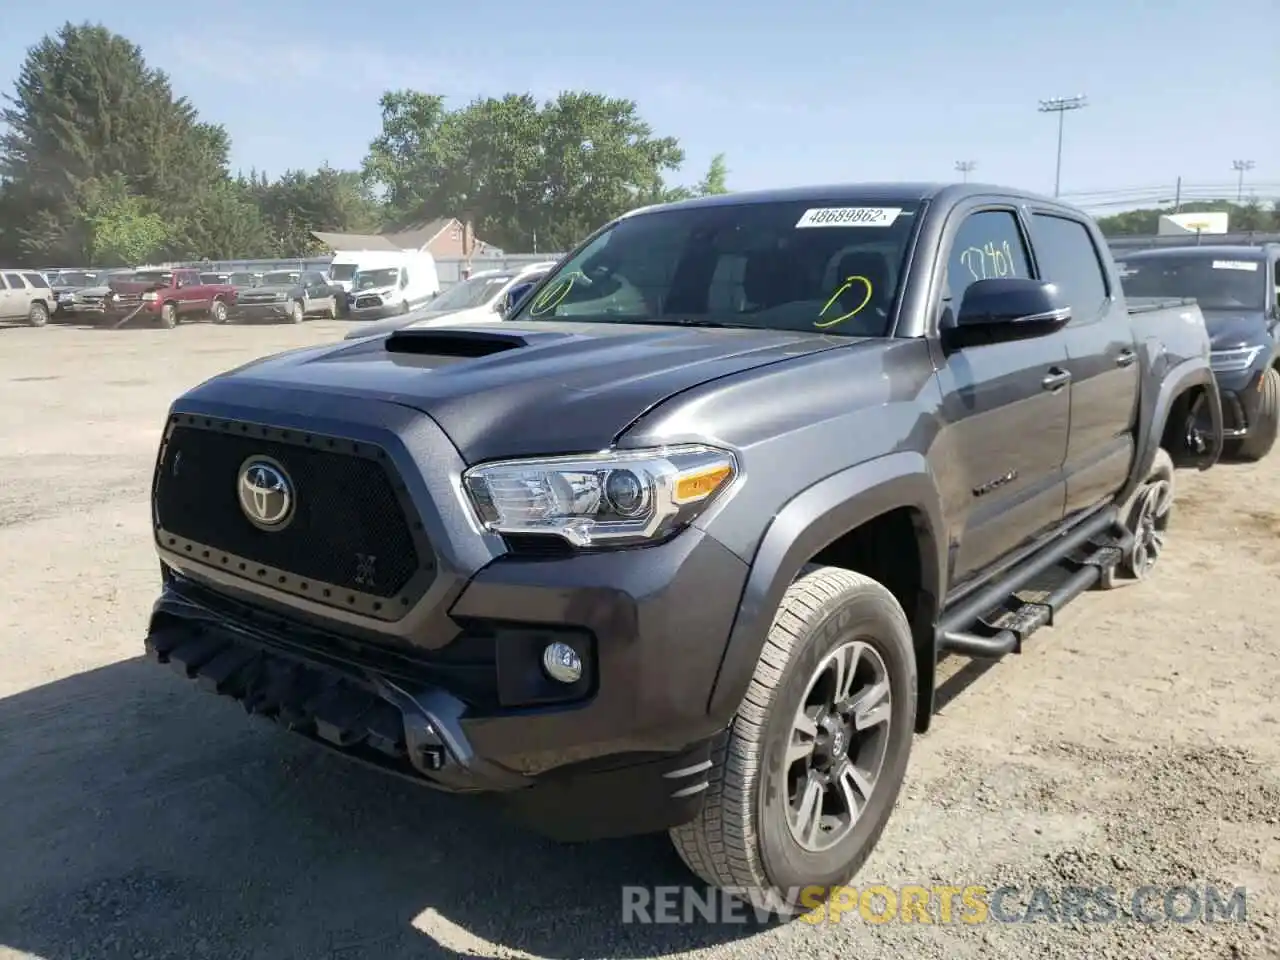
(363, 302)
(345, 507)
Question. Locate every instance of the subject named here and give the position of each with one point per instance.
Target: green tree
(300, 202)
(520, 170)
(716, 179)
(123, 230)
(221, 223)
(86, 108)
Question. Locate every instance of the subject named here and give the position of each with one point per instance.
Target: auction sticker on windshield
(1250, 265)
(849, 217)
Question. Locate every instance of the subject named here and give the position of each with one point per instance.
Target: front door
(1101, 357)
(1007, 411)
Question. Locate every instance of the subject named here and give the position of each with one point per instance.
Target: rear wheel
(169, 316)
(1263, 431)
(806, 777)
(38, 315)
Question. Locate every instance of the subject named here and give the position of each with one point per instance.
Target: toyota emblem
(266, 493)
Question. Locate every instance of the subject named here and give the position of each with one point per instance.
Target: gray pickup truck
(679, 545)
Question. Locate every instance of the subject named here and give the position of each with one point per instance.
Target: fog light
(562, 662)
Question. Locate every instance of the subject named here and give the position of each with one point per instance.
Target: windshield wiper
(691, 322)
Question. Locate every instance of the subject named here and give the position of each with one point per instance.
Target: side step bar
(1100, 541)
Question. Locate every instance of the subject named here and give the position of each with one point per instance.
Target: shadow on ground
(145, 819)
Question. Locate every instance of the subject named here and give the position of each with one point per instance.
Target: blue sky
(803, 91)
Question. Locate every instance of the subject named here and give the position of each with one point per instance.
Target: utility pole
(1060, 106)
(964, 168)
(1241, 167)
(1177, 197)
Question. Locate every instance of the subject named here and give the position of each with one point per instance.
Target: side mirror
(513, 296)
(1000, 310)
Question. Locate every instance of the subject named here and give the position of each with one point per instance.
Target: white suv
(25, 295)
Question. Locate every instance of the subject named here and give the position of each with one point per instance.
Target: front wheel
(806, 777)
(1265, 426)
(38, 315)
(218, 312)
(169, 316)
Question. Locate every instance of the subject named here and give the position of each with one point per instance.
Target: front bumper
(1241, 396)
(270, 310)
(451, 694)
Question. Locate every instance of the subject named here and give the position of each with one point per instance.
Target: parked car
(65, 284)
(162, 295)
(1238, 290)
(480, 299)
(677, 546)
(25, 295)
(389, 282)
(289, 295)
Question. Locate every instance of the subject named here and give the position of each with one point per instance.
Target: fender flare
(812, 520)
(1194, 372)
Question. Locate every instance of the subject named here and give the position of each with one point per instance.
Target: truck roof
(858, 193)
(1237, 251)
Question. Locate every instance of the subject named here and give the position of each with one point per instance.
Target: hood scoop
(453, 343)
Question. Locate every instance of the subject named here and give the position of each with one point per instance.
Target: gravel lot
(1137, 743)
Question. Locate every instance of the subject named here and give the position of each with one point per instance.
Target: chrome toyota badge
(266, 493)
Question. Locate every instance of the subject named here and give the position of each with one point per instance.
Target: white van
(386, 282)
(478, 299)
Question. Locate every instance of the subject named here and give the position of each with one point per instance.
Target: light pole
(1241, 167)
(1060, 106)
(964, 168)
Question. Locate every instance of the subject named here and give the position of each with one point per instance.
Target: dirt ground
(1135, 744)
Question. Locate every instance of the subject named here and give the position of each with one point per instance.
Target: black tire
(1262, 433)
(218, 312)
(38, 315)
(169, 316)
(296, 312)
(1146, 516)
(741, 838)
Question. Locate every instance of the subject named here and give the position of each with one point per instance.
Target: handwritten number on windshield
(989, 261)
(861, 283)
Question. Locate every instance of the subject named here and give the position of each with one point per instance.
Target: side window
(1068, 258)
(35, 280)
(14, 281)
(987, 246)
(4, 284)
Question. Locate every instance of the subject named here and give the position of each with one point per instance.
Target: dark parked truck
(289, 295)
(1236, 288)
(65, 284)
(679, 544)
(162, 296)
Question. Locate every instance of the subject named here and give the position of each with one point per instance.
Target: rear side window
(1067, 257)
(35, 280)
(14, 281)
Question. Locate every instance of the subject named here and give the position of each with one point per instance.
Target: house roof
(356, 241)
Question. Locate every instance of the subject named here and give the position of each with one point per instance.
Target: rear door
(1101, 359)
(1006, 406)
(17, 299)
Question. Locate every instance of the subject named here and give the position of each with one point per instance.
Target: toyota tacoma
(678, 545)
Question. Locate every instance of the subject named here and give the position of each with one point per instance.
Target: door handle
(1056, 379)
(1125, 358)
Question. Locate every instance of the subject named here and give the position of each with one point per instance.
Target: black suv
(678, 545)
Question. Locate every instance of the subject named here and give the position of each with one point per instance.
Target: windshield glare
(1215, 281)
(283, 278)
(804, 266)
(342, 271)
(470, 293)
(71, 279)
(369, 279)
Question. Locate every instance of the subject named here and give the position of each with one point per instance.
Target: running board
(994, 622)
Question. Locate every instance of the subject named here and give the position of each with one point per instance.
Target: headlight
(149, 297)
(1235, 359)
(612, 498)
(282, 296)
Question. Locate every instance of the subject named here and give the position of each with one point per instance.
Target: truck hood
(272, 290)
(524, 389)
(1235, 328)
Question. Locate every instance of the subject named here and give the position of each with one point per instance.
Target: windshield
(152, 276)
(342, 271)
(71, 278)
(241, 279)
(210, 278)
(1215, 281)
(279, 278)
(794, 265)
(370, 279)
(471, 293)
